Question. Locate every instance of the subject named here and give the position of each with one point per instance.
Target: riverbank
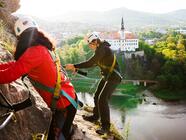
(153, 118)
(164, 94)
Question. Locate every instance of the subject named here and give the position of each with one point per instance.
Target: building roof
(117, 35)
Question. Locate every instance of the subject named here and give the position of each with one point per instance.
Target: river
(153, 119)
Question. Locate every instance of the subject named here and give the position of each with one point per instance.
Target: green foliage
(170, 96)
(77, 52)
(121, 63)
(180, 47)
(165, 61)
(149, 35)
(1, 4)
(172, 73)
(171, 39)
(74, 40)
(171, 45)
(5, 40)
(73, 53)
(168, 53)
(147, 49)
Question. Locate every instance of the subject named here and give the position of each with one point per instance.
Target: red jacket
(38, 64)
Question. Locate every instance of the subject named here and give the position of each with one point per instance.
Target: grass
(1, 4)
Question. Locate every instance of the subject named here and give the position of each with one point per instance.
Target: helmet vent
(25, 22)
(18, 30)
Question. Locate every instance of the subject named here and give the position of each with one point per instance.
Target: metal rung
(7, 120)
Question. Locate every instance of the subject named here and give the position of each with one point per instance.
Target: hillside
(111, 19)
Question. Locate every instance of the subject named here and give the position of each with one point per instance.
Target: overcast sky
(44, 8)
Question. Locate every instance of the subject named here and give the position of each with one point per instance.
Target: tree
(74, 40)
(180, 47)
(171, 45)
(171, 39)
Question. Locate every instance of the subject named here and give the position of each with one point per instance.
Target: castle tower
(122, 29)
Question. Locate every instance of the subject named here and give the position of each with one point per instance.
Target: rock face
(30, 121)
(6, 8)
(84, 130)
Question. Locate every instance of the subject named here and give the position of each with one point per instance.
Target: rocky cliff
(34, 119)
(30, 121)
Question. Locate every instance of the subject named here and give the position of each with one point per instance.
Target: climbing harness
(110, 68)
(57, 92)
(51, 90)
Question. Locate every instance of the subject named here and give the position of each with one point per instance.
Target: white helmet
(24, 23)
(92, 37)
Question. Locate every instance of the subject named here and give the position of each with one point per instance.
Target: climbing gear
(12, 108)
(38, 136)
(93, 36)
(57, 92)
(110, 68)
(51, 90)
(24, 23)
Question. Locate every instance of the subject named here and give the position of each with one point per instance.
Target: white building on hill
(121, 40)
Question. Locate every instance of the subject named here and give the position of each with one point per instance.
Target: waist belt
(51, 90)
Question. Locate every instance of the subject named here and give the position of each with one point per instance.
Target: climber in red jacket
(34, 58)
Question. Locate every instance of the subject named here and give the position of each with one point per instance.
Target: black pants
(101, 98)
(60, 128)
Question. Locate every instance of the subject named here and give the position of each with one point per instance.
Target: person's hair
(29, 38)
(98, 41)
